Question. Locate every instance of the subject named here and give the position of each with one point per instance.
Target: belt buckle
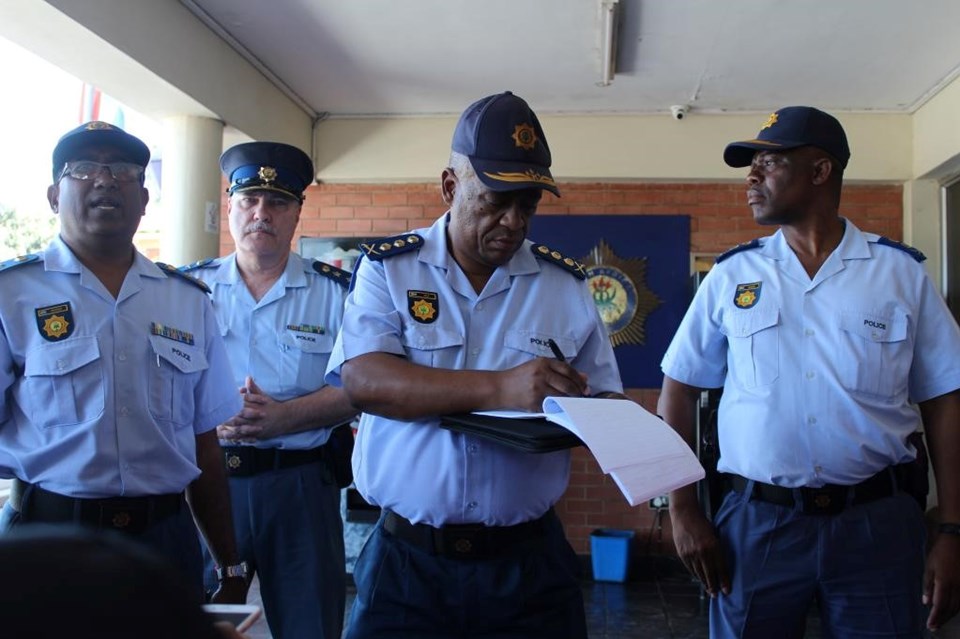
(238, 462)
(463, 543)
(823, 501)
(127, 518)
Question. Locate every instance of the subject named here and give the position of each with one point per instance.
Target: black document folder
(535, 435)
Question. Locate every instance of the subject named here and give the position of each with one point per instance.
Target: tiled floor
(656, 607)
(661, 605)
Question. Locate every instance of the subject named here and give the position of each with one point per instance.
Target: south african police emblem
(524, 136)
(619, 289)
(55, 322)
(267, 174)
(424, 306)
(747, 295)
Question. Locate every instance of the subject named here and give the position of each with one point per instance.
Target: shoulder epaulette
(746, 246)
(20, 260)
(210, 261)
(556, 257)
(390, 246)
(909, 250)
(338, 275)
(173, 270)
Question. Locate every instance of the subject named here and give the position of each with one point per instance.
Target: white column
(191, 189)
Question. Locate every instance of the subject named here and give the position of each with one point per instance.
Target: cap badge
(524, 137)
(267, 174)
(770, 121)
(96, 125)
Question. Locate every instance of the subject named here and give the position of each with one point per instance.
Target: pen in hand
(556, 350)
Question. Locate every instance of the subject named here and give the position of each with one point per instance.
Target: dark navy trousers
(530, 591)
(863, 566)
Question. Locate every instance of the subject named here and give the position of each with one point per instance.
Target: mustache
(259, 227)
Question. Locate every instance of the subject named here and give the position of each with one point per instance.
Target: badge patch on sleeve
(747, 295)
(55, 322)
(424, 306)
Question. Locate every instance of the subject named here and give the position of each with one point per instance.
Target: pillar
(191, 189)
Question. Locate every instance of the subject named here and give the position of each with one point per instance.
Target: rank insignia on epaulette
(173, 270)
(171, 333)
(906, 248)
(555, 257)
(424, 306)
(390, 246)
(338, 275)
(198, 264)
(747, 295)
(19, 261)
(746, 246)
(55, 322)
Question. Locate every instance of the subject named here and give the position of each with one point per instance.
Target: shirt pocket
(521, 345)
(173, 379)
(63, 383)
(874, 354)
(754, 340)
(303, 360)
(432, 346)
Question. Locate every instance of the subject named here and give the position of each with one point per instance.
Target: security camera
(679, 111)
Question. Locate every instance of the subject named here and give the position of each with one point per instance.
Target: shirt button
(60, 364)
(122, 357)
(811, 420)
(808, 332)
(809, 374)
(475, 351)
(124, 411)
(817, 469)
(472, 505)
(479, 307)
(472, 448)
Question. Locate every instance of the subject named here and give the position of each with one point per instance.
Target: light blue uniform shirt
(103, 397)
(431, 475)
(284, 340)
(818, 375)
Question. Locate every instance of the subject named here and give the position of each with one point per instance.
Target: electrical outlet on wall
(659, 502)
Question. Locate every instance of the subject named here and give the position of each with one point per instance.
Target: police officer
(279, 314)
(112, 371)
(452, 318)
(830, 344)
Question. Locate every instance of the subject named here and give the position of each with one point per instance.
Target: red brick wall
(719, 219)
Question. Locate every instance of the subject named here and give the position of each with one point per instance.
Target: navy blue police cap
(267, 166)
(505, 143)
(98, 134)
(790, 128)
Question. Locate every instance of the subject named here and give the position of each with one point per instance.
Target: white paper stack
(643, 455)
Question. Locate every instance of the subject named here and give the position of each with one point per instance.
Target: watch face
(236, 570)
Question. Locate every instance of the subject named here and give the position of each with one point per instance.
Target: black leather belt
(244, 461)
(466, 541)
(131, 515)
(826, 500)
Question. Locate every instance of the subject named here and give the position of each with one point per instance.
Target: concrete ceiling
(417, 57)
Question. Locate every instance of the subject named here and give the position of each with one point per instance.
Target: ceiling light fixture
(609, 25)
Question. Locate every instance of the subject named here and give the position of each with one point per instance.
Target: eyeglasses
(87, 170)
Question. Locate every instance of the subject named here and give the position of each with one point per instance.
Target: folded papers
(643, 455)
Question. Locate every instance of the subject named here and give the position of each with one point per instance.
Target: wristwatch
(236, 570)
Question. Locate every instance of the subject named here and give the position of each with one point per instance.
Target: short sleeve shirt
(100, 396)
(819, 375)
(283, 340)
(428, 474)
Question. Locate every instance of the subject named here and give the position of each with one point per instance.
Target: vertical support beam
(191, 189)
